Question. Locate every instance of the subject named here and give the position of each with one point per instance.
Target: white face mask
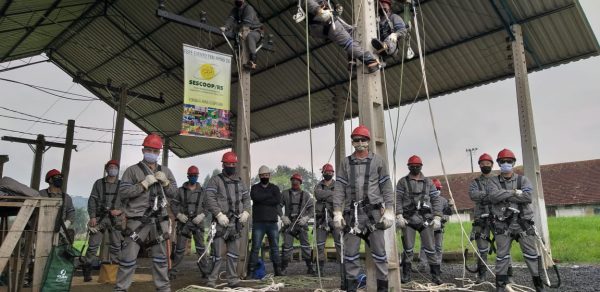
(506, 167)
(360, 146)
(113, 171)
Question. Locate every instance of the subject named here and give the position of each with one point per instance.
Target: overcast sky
(566, 107)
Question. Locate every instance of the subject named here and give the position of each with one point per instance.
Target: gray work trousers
(115, 239)
(438, 242)
(128, 258)
(288, 244)
(322, 239)
(252, 39)
(482, 236)
(427, 243)
(352, 256)
(504, 237)
(342, 38)
(181, 245)
(229, 248)
(391, 46)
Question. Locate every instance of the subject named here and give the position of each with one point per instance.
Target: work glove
(223, 29)
(393, 37)
(67, 223)
(400, 221)
(244, 217)
(279, 224)
(222, 219)
(182, 218)
(518, 193)
(286, 220)
(338, 220)
(437, 223)
(388, 218)
(303, 221)
(93, 230)
(148, 181)
(451, 202)
(162, 178)
(198, 219)
(93, 222)
(115, 212)
(324, 16)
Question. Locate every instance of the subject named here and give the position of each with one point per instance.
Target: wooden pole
(36, 172)
(66, 163)
(119, 125)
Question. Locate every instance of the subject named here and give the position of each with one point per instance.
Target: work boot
(481, 271)
(352, 285)
(87, 272)
(538, 284)
(251, 64)
(436, 273)
(372, 66)
(321, 267)
(309, 268)
(284, 265)
(501, 282)
(382, 285)
(406, 273)
(380, 47)
(509, 273)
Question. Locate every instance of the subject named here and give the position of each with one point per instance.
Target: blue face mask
(113, 171)
(150, 157)
(193, 179)
(506, 167)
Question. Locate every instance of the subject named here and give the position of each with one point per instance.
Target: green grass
(573, 240)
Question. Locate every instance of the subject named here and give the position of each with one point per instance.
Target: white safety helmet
(264, 169)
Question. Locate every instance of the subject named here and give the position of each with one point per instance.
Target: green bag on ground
(59, 268)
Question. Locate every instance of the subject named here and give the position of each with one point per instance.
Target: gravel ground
(579, 278)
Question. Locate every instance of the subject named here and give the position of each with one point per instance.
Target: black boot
(538, 284)
(406, 272)
(481, 271)
(501, 282)
(251, 64)
(309, 268)
(435, 274)
(284, 265)
(277, 269)
(321, 267)
(87, 272)
(380, 47)
(382, 285)
(352, 285)
(372, 66)
(509, 273)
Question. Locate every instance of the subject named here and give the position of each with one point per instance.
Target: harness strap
(235, 207)
(152, 195)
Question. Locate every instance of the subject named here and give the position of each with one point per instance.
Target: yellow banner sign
(206, 93)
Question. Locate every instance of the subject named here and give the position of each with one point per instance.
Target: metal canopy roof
(466, 46)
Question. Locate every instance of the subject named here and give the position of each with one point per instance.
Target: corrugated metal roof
(465, 43)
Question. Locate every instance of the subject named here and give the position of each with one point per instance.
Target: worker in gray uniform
(104, 208)
(228, 200)
(418, 209)
(189, 209)
(391, 29)
(324, 192)
(298, 209)
(244, 15)
(482, 223)
(363, 202)
(55, 182)
(146, 187)
(438, 234)
(324, 24)
(511, 197)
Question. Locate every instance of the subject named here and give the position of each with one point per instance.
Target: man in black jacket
(266, 198)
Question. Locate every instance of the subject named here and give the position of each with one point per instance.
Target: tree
(80, 221)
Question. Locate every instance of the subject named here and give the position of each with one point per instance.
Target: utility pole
(3, 159)
(165, 154)
(531, 162)
(370, 108)
(120, 124)
(41, 146)
(471, 151)
(339, 106)
(66, 163)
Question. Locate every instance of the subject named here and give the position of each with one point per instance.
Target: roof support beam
(31, 30)
(54, 45)
(41, 25)
(5, 8)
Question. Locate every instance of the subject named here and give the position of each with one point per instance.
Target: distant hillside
(79, 202)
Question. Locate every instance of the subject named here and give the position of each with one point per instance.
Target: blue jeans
(259, 229)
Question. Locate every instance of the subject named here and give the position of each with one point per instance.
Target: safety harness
(186, 229)
(295, 212)
(105, 208)
(419, 206)
(323, 217)
(152, 215)
(232, 231)
(484, 223)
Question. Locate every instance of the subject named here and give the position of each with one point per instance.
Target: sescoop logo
(62, 276)
(207, 72)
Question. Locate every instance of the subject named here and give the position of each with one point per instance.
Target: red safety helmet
(52, 173)
(327, 167)
(193, 170)
(415, 160)
(505, 153)
(153, 141)
(437, 183)
(111, 162)
(229, 157)
(296, 176)
(485, 157)
(388, 2)
(361, 131)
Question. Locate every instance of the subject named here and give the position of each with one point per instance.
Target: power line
(75, 139)
(49, 91)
